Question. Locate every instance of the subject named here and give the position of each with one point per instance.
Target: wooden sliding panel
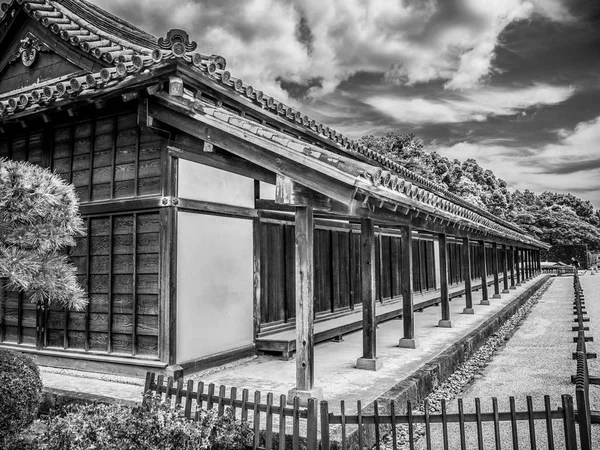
(396, 263)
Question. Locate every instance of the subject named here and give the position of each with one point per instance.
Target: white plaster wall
(267, 191)
(214, 285)
(200, 182)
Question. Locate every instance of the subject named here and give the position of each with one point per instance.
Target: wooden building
(217, 216)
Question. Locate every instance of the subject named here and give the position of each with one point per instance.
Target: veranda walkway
(334, 361)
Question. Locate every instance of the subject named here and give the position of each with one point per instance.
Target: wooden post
(305, 370)
(406, 283)
(505, 269)
(466, 268)
(369, 360)
(518, 265)
(512, 266)
(539, 261)
(495, 270)
(484, 287)
(445, 322)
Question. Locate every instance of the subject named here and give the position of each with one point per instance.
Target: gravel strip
(465, 374)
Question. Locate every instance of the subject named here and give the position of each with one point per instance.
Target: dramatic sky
(514, 84)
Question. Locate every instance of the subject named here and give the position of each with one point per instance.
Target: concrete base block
(174, 371)
(369, 364)
(485, 302)
(445, 323)
(496, 296)
(408, 343)
(518, 284)
(513, 287)
(303, 396)
(468, 311)
(505, 291)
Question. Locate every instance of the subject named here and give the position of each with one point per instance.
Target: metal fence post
(569, 423)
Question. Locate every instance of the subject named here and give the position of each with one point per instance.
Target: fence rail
(281, 426)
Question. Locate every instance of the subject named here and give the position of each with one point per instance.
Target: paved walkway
(335, 370)
(536, 361)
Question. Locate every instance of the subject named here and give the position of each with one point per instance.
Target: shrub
(153, 426)
(20, 392)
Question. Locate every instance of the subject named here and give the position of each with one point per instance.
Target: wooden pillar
(305, 370)
(512, 267)
(466, 268)
(369, 360)
(406, 283)
(522, 258)
(484, 287)
(518, 265)
(505, 269)
(445, 321)
(539, 260)
(527, 264)
(495, 270)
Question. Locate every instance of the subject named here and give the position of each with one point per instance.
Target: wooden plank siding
(336, 269)
(107, 158)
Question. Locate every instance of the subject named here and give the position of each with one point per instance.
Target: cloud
(569, 165)
(476, 105)
(412, 41)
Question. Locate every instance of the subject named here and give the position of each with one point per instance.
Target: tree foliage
(39, 218)
(551, 217)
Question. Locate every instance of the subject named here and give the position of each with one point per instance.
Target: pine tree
(39, 219)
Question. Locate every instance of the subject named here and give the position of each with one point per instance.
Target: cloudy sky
(514, 84)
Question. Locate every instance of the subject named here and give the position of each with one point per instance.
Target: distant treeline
(555, 218)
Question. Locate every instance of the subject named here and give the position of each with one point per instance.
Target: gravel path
(536, 361)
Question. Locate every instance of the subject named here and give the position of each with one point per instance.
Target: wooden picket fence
(279, 426)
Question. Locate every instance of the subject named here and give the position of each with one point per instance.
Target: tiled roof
(384, 185)
(128, 51)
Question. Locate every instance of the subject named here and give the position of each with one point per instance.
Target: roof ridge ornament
(28, 50)
(178, 41)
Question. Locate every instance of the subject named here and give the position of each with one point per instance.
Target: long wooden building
(219, 219)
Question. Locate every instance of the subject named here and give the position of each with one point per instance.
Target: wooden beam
(505, 269)
(230, 163)
(305, 357)
(367, 265)
(483, 266)
(445, 321)
(288, 192)
(406, 284)
(466, 268)
(309, 172)
(495, 269)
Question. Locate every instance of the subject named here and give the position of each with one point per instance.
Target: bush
(20, 392)
(155, 426)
